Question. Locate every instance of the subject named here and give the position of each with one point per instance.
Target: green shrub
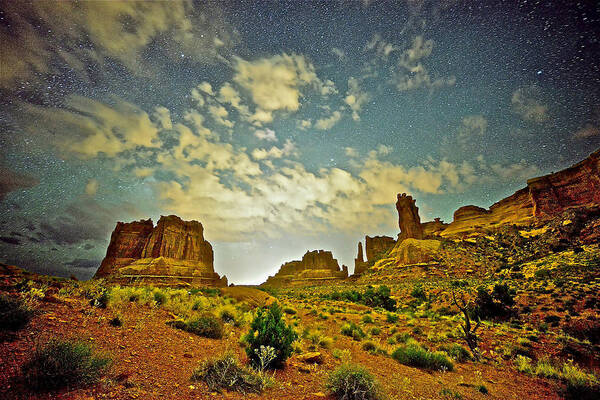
(63, 363)
(14, 313)
(269, 329)
(206, 326)
(524, 364)
(379, 297)
(353, 382)
(581, 385)
(392, 318)
(402, 337)
(289, 311)
(369, 346)
(352, 330)
(457, 352)
(160, 298)
(414, 355)
(419, 293)
(226, 373)
(375, 331)
(367, 319)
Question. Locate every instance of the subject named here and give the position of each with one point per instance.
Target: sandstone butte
(315, 267)
(576, 187)
(172, 253)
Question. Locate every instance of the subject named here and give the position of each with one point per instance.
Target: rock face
(173, 252)
(433, 228)
(316, 266)
(408, 218)
(414, 251)
(376, 248)
(543, 198)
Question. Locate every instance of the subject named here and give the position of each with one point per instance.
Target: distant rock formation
(433, 228)
(408, 218)
(173, 252)
(316, 266)
(543, 198)
(376, 248)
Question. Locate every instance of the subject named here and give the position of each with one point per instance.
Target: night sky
(281, 126)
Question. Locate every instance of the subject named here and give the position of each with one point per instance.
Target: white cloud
(412, 73)
(289, 148)
(91, 187)
(351, 152)
(380, 46)
(220, 114)
(328, 122)
(339, 53)
(304, 124)
(163, 116)
(526, 102)
(266, 134)
(206, 87)
(355, 98)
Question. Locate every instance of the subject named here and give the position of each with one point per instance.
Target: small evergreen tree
(268, 329)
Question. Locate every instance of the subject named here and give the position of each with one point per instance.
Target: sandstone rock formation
(316, 266)
(173, 252)
(408, 218)
(433, 228)
(542, 199)
(414, 251)
(376, 248)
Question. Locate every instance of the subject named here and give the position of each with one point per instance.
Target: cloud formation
(11, 181)
(526, 102)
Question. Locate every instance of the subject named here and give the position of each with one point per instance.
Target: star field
(281, 126)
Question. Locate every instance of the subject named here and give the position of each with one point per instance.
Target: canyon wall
(543, 198)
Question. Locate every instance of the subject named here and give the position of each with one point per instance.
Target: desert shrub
(419, 293)
(269, 329)
(352, 330)
(379, 297)
(371, 297)
(524, 364)
(353, 382)
(14, 313)
(369, 346)
(402, 337)
(64, 363)
(289, 311)
(375, 331)
(392, 318)
(318, 339)
(457, 352)
(227, 313)
(412, 354)
(160, 298)
(367, 319)
(226, 373)
(205, 325)
(584, 329)
(117, 321)
(495, 304)
(448, 393)
(581, 385)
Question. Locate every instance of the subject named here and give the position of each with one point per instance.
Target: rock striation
(408, 218)
(315, 267)
(173, 252)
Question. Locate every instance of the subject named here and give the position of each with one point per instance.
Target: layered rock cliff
(173, 252)
(316, 266)
(543, 198)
